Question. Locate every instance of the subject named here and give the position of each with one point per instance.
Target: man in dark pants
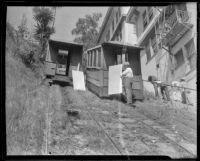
(127, 78)
(162, 85)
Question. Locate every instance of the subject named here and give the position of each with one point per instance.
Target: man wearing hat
(127, 78)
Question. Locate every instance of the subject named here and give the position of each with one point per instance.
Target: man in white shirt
(127, 78)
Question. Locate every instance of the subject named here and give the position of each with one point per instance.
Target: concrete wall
(163, 74)
(139, 22)
(130, 33)
(108, 25)
(127, 30)
(192, 33)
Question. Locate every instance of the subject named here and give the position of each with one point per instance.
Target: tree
(43, 17)
(22, 28)
(86, 30)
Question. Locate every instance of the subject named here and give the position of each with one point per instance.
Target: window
(108, 35)
(144, 19)
(95, 57)
(117, 17)
(88, 59)
(154, 44)
(190, 48)
(99, 57)
(91, 57)
(124, 57)
(119, 59)
(119, 34)
(179, 59)
(113, 25)
(119, 12)
(148, 52)
(190, 53)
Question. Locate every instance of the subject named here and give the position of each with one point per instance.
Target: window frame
(145, 21)
(178, 65)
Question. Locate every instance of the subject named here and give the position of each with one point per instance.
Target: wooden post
(78, 66)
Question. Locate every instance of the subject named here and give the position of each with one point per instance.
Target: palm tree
(43, 17)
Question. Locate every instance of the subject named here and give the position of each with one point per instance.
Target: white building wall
(124, 10)
(130, 33)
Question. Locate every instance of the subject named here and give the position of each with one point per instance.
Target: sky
(66, 18)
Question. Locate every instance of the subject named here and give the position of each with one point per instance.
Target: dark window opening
(179, 59)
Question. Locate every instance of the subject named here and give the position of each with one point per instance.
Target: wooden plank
(70, 70)
(138, 94)
(105, 74)
(95, 82)
(114, 80)
(94, 73)
(105, 82)
(93, 88)
(100, 91)
(78, 80)
(136, 85)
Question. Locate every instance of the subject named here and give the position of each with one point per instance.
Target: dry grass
(25, 114)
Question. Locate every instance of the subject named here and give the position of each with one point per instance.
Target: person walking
(127, 78)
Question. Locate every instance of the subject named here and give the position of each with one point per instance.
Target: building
(115, 28)
(109, 53)
(115, 44)
(169, 35)
(62, 57)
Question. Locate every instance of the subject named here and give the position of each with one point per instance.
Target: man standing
(184, 91)
(127, 78)
(163, 87)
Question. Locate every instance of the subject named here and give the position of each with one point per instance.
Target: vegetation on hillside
(25, 107)
(86, 32)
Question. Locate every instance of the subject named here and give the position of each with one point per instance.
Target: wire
(172, 85)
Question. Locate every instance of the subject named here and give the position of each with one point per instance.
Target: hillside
(22, 108)
(58, 120)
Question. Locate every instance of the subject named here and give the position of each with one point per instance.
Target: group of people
(127, 79)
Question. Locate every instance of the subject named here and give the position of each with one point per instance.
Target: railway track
(119, 148)
(155, 130)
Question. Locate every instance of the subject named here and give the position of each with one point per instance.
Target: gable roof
(121, 44)
(109, 11)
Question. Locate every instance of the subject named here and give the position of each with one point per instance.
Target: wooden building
(61, 58)
(107, 54)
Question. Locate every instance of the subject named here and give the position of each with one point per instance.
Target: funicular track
(99, 120)
(143, 123)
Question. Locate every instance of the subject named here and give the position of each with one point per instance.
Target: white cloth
(176, 83)
(127, 73)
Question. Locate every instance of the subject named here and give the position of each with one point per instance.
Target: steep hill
(24, 114)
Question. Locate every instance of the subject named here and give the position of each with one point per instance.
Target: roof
(60, 42)
(104, 23)
(121, 44)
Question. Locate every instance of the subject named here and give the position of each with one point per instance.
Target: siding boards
(94, 81)
(138, 94)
